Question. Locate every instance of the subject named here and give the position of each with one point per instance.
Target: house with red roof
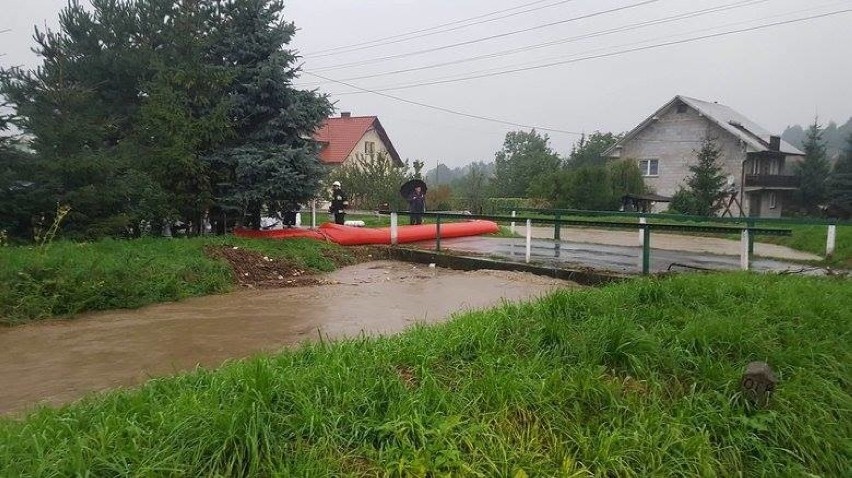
(348, 137)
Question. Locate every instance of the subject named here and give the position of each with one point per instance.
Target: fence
(746, 231)
(830, 223)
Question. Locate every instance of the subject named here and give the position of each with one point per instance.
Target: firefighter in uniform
(339, 203)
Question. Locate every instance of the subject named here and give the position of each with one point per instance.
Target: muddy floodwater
(59, 361)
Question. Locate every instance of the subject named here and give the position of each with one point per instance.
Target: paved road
(669, 242)
(615, 258)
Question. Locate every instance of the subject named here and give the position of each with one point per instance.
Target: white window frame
(645, 167)
(369, 147)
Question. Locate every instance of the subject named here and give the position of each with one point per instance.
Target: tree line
(824, 189)
(150, 111)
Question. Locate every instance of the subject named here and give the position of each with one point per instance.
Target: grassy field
(635, 379)
(65, 278)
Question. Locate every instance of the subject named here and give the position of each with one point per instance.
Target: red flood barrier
(359, 236)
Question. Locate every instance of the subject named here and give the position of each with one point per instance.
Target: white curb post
(512, 229)
(830, 240)
(642, 220)
(529, 239)
(744, 250)
(394, 232)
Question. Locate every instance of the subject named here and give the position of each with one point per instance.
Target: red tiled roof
(340, 135)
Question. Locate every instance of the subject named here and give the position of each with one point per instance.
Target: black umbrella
(406, 189)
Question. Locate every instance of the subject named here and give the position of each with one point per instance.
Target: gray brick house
(757, 163)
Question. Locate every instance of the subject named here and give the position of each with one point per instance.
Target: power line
(404, 37)
(446, 110)
(510, 123)
(603, 55)
(629, 27)
(482, 39)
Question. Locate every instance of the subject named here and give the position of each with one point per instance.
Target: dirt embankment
(253, 269)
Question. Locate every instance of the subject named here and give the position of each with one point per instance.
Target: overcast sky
(776, 76)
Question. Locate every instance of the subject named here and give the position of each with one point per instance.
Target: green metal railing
(746, 231)
(831, 223)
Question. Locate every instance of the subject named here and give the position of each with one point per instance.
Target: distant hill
(833, 135)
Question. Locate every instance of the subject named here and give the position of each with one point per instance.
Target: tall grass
(65, 278)
(636, 379)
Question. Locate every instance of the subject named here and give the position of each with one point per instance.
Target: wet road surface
(59, 361)
(603, 257)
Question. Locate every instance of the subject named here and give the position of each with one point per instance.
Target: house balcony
(771, 181)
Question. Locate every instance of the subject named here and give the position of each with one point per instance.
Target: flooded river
(59, 361)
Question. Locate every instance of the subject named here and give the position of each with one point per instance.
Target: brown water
(60, 361)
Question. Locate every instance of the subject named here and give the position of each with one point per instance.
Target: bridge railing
(746, 231)
(830, 223)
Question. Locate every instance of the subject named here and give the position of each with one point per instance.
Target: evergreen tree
(812, 172)
(840, 184)
(271, 156)
(141, 108)
(705, 186)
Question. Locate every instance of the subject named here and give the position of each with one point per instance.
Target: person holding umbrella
(414, 192)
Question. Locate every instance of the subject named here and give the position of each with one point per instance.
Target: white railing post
(393, 230)
(830, 240)
(314, 214)
(642, 220)
(744, 255)
(529, 239)
(512, 229)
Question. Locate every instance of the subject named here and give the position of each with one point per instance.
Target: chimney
(775, 143)
(345, 114)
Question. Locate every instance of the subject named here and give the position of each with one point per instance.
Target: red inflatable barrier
(358, 236)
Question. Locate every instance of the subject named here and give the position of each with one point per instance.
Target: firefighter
(339, 203)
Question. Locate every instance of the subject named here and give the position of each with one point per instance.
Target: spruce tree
(706, 184)
(840, 184)
(271, 156)
(813, 172)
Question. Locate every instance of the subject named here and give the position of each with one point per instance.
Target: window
(649, 167)
(772, 200)
(681, 108)
(369, 147)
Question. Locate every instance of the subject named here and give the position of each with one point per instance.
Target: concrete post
(642, 220)
(744, 245)
(830, 240)
(512, 229)
(393, 229)
(529, 239)
(438, 233)
(314, 214)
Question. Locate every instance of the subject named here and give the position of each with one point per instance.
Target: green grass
(67, 278)
(812, 238)
(636, 379)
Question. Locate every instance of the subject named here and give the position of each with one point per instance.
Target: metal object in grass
(758, 382)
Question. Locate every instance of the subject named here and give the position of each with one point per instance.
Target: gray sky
(776, 76)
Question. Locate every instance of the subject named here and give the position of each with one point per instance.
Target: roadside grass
(812, 238)
(635, 379)
(66, 278)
